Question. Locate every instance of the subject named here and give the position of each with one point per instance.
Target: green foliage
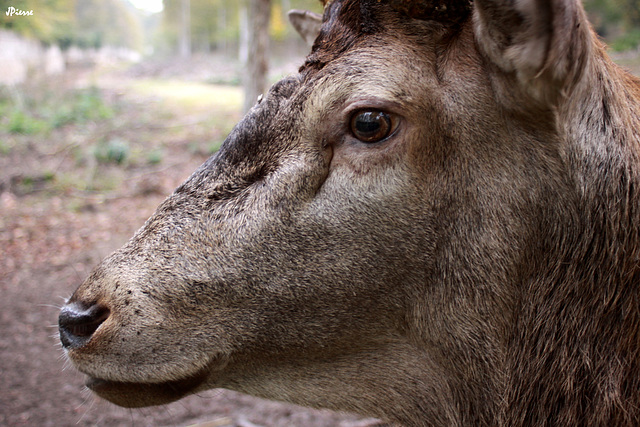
(85, 106)
(23, 123)
(51, 19)
(603, 14)
(216, 22)
(613, 19)
(629, 13)
(85, 23)
(278, 25)
(627, 41)
(211, 22)
(155, 157)
(5, 148)
(41, 111)
(30, 183)
(115, 150)
(107, 23)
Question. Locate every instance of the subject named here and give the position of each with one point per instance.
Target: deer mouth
(138, 395)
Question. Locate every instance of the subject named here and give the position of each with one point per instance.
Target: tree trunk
(185, 28)
(255, 79)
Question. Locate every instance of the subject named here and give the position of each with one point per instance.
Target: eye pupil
(367, 123)
(371, 126)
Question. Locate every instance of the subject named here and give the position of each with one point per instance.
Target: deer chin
(138, 395)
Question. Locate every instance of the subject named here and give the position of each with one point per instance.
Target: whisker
(87, 396)
(50, 306)
(67, 364)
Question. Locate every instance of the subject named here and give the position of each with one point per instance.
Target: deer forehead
(368, 75)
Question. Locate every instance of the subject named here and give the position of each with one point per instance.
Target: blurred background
(105, 107)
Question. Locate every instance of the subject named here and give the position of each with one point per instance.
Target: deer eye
(371, 125)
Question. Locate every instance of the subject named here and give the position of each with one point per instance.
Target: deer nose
(77, 323)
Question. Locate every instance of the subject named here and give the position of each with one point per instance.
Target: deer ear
(306, 23)
(544, 42)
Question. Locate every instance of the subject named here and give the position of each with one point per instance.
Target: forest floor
(84, 159)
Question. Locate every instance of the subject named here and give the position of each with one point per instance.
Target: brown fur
(479, 267)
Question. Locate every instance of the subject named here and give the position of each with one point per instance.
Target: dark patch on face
(136, 395)
(231, 190)
(444, 11)
(249, 154)
(343, 24)
(347, 22)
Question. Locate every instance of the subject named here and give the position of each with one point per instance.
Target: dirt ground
(65, 203)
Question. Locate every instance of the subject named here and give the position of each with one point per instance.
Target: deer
(435, 222)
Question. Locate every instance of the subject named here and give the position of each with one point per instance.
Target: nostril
(77, 324)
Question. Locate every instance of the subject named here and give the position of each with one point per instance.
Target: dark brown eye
(371, 125)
